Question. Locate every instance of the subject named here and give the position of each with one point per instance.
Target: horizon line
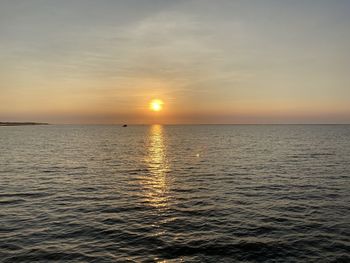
(183, 124)
(170, 124)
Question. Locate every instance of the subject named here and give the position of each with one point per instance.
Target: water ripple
(175, 193)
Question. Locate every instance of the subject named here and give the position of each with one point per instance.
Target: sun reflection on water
(156, 184)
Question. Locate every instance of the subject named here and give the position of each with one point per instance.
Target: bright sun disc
(156, 105)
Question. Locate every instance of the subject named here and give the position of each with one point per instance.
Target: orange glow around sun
(156, 105)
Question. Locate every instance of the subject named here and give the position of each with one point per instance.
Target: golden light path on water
(156, 184)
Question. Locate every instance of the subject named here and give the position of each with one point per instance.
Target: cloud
(111, 57)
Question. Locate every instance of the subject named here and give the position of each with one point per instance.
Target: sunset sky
(223, 61)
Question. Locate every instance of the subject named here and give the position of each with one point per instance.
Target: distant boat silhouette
(125, 125)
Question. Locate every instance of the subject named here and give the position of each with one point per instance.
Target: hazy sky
(222, 61)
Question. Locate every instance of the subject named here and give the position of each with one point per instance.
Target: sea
(181, 193)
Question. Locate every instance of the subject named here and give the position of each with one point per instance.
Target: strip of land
(21, 123)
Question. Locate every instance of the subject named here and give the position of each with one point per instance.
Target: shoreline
(21, 123)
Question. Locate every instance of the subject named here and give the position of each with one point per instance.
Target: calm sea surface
(207, 193)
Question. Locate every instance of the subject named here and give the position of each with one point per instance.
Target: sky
(222, 61)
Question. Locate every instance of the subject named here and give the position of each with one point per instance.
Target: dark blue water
(207, 193)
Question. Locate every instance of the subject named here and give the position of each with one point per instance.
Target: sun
(156, 105)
